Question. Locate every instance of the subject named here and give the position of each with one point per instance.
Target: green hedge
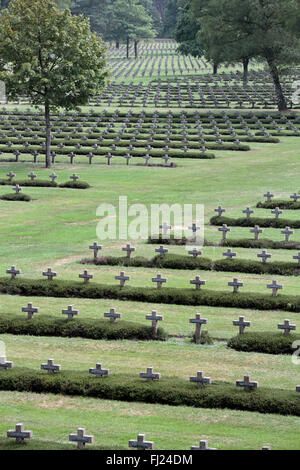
(78, 327)
(264, 342)
(16, 197)
(262, 243)
(40, 183)
(281, 203)
(168, 261)
(257, 267)
(166, 295)
(75, 185)
(262, 222)
(172, 391)
(160, 240)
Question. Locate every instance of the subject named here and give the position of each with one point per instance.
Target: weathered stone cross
(165, 227)
(256, 230)
(194, 252)
(248, 212)
(247, 384)
(129, 249)
(287, 327)
(220, 211)
(236, 284)
(200, 380)
(224, 229)
(287, 232)
(31, 310)
(229, 254)
(269, 196)
(242, 324)
(4, 364)
(122, 278)
(99, 372)
(140, 443)
(275, 287)
(70, 312)
(198, 321)
(277, 212)
(264, 256)
(197, 282)
(155, 319)
(81, 438)
(95, 247)
(297, 257)
(203, 445)
(49, 274)
(13, 272)
(295, 197)
(159, 280)
(161, 250)
(112, 315)
(86, 276)
(50, 367)
(19, 434)
(150, 375)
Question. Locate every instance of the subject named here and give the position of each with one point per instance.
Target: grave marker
(150, 375)
(86, 276)
(287, 327)
(112, 315)
(31, 310)
(140, 443)
(129, 249)
(98, 371)
(155, 319)
(19, 434)
(200, 380)
(159, 280)
(236, 284)
(242, 324)
(203, 445)
(13, 272)
(198, 321)
(70, 312)
(197, 282)
(246, 384)
(275, 287)
(50, 367)
(95, 247)
(81, 438)
(122, 278)
(49, 274)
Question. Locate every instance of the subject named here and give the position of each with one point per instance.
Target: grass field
(55, 230)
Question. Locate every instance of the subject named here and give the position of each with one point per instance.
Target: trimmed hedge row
(15, 197)
(262, 222)
(75, 185)
(166, 391)
(262, 243)
(159, 239)
(264, 342)
(281, 203)
(172, 261)
(39, 183)
(166, 295)
(78, 327)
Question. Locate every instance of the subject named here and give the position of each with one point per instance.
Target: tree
(186, 31)
(265, 29)
(50, 56)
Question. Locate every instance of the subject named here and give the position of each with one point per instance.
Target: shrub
(34, 183)
(159, 239)
(78, 327)
(281, 203)
(166, 391)
(262, 222)
(262, 243)
(75, 185)
(16, 197)
(205, 338)
(166, 295)
(264, 342)
(257, 267)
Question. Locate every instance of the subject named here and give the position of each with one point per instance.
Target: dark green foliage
(15, 197)
(257, 267)
(39, 183)
(205, 338)
(262, 222)
(166, 295)
(264, 342)
(159, 239)
(166, 391)
(281, 203)
(75, 185)
(78, 327)
(262, 243)
(169, 261)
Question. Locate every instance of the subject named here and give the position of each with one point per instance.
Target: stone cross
(287, 232)
(264, 256)
(297, 388)
(248, 212)
(140, 443)
(194, 228)
(122, 278)
(32, 176)
(150, 375)
(74, 177)
(53, 177)
(197, 282)
(11, 175)
(277, 212)
(19, 434)
(220, 211)
(4, 364)
(129, 249)
(13, 272)
(17, 189)
(242, 324)
(247, 384)
(297, 257)
(269, 196)
(155, 319)
(99, 372)
(200, 380)
(161, 250)
(81, 438)
(224, 229)
(86, 276)
(194, 252)
(275, 287)
(295, 197)
(287, 327)
(70, 312)
(31, 310)
(266, 448)
(165, 228)
(49, 274)
(159, 280)
(229, 254)
(50, 367)
(236, 284)
(112, 315)
(256, 230)
(203, 445)
(198, 321)
(95, 247)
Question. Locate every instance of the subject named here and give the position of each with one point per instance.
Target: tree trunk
(48, 135)
(135, 48)
(246, 70)
(117, 44)
(127, 47)
(281, 100)
(215, 68)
